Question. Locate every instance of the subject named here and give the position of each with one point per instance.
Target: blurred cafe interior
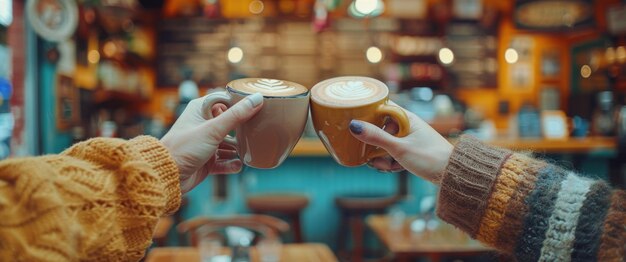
(543, 76)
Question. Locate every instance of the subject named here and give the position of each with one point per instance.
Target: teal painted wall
(52, 141)
(320, 178)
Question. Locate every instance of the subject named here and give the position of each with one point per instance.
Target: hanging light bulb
(256, 7)
(585, 71)
(511, 56)
(446, 56)
(93, 56)
(374, 55)
(235, 55)
(365, 7)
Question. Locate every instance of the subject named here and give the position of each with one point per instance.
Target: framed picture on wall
(67, 104)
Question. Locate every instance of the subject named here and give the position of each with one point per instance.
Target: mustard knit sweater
(98, 200)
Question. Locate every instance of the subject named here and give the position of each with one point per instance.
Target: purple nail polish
(356, 127)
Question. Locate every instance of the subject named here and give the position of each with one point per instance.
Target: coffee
(349, 91)
(267, 87)
(337, 101)
(266, 139)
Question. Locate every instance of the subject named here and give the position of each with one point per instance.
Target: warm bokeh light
(610, 55)
(365, 7)
(446, 56)
(511, 56)
(256, 7)
(374, 55)
(620, 54)
(235, 55)
(585, 71)
(93, 56)
(109, 49)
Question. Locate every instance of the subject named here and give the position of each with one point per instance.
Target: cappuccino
(349, 91)
(266, 139)
(267, 87)
(337, 101)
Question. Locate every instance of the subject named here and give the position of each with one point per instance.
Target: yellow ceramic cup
(332, 121)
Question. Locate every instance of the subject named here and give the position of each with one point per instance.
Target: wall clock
(53, 20)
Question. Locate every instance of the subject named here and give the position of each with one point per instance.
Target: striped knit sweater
(530, 209)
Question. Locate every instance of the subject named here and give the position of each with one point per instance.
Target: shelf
(570, 145)
(116, 97)
(314, 147)
(131, 60)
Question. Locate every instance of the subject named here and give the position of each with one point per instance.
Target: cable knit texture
(98, 200)
(467, 183)
(540, 206)
(531, 209)
(507, 184)
(562, 224)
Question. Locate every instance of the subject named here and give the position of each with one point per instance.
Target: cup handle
(209, 101)
(398, 115)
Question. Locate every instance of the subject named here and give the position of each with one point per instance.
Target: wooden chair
(353, 210)
(288, 206)
(263, 224)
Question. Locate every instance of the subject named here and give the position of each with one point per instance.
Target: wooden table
(310, 252)
(443, 241)
(313, 147)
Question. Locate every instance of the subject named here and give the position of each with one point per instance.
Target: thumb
(371, 134)
(236, 115)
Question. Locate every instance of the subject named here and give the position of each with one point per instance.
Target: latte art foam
(267, 87)
(270, 85)
(349, 91)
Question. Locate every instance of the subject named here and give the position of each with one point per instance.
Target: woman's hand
(423, 152)
(196, 145)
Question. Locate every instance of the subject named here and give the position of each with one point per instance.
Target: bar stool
(289, 206)
(354, 208)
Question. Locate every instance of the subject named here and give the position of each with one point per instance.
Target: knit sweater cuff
(467, 183)
(162, 163)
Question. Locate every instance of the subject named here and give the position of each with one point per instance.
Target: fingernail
(356, 127)
(255, 99)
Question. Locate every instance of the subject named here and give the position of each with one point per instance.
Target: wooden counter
(313, 147)
(571, 145)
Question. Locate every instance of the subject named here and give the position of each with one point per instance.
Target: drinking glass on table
(269, 247)
(210, 244)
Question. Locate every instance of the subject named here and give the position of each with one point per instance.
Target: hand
(196, 145)
(423, 152)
